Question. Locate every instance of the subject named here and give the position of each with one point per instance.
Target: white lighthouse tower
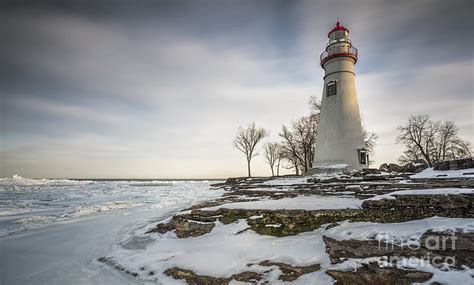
(339, 144)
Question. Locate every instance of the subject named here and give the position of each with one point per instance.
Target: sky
(157, 89)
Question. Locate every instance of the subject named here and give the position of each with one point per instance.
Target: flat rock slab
(401, 209)
(196, 279)
(454, 249)
(289, 273)
(373, 275)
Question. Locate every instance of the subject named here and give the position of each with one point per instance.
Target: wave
(17, 180)
(87, 210)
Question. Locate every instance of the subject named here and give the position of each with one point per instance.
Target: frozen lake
(53, 231)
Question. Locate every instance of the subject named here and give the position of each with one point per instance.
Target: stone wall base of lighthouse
(330, 169)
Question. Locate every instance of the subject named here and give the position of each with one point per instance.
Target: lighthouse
(340, 144)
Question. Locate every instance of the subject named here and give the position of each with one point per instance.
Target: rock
(448, 241)
(289, 272)
(371, 171)
(371, 274)
(409, 167)
(340, 250)
(195, 279)
(462, 202)
(443, 165)
(246, 276)
(420, 165)
(401, 209)
(162, 228)
(186, 228)
(457, 164)
(392, 167)
(454, 249)
(117, 266)
(384, 167)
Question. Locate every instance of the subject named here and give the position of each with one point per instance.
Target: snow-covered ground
(225, 252)
(297, 203)
(436, 191)
(286, 181)
(431, 173)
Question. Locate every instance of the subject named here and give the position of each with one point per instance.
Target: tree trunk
(297, 170)
(248, 168)
(278, 169)
(273, 174)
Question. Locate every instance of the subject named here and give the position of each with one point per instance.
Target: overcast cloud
(158, 88)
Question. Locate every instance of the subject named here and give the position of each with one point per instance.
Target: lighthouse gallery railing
(349, 51)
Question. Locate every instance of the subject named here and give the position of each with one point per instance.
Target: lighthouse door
(362, 156)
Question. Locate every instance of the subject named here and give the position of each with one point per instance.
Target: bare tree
(431, 141)
(449, 145)
(304, 131)
(247, 139)
(289, 149)
(272, 155)
(280, 157)
(298, 142)
(314, 105)
(370, 141)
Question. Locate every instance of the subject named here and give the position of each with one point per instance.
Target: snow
(398, 233)
(435, 191)
(333, 166)
(297, 203)
(431, 173)
(227, 253)
(285, 181)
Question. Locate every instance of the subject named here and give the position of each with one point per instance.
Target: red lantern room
(339, 45)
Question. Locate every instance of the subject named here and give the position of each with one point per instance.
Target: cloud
(158, 91)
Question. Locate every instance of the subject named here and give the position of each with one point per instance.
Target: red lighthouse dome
(338, 27)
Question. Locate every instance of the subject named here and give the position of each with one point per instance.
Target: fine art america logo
(432, 248)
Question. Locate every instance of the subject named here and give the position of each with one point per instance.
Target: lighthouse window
(331, 89)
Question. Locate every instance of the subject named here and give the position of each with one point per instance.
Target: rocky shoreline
(385, 198)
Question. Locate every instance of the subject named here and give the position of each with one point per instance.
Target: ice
(87, 210)
(30, 203)
(53, 231)
(17, 180)
(35, 220)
